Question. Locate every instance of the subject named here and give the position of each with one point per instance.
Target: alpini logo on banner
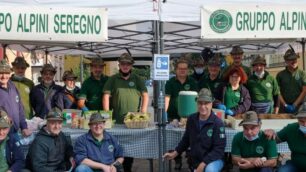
(220, 21)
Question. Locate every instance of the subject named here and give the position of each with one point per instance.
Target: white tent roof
(131, 26)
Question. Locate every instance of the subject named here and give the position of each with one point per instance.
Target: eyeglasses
(234, 76)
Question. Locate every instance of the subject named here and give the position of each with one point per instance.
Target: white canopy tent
(131, 25)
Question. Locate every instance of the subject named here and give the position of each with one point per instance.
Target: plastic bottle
(26, 140)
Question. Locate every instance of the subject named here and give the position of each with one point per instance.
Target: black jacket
(49, 153)
(206, 144)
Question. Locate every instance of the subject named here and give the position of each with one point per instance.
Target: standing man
(90, 97)
(10, 101)
(98, 150)
(292, 83)
(212, 80)
(128, 93)
(43, 96)
(125, 89)
(237, 56)
(23, 84)
(295, 136)
(198, 69)
(263, 88)
(181, 82)
(205, 135)
(251, 150)
(51, 150)
(68, 97)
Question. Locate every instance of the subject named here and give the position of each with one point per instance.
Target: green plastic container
(187, 104)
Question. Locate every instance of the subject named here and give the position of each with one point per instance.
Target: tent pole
(303, 52)
(82, 69)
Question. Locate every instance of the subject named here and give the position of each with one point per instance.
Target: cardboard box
(70, 114)
(269, 121)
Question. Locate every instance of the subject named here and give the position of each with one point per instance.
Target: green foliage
(77, 72)
(144, 73)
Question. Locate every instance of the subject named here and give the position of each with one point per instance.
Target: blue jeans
(215, 166)
(83, 168)
(288, 167)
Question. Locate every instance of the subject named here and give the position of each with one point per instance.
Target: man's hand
(244, 164)
(257, 162)
(270, 134)
(200, 167)
(109, 168)
(169, 156)
(26, 132)
(73, 165)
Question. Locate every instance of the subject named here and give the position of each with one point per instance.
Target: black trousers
(127, 164)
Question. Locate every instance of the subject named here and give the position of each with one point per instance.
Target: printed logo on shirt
(209, 132)
(237, 94)
(222, 129)
(268, 84)
(131, 84)
(17, 99)
(187, 87)
(216, 85)
(297, 76)
(111, 148)
(259, 149)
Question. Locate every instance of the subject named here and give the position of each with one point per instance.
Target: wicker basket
(137, 124)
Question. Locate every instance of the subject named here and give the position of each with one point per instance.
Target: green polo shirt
(262, 90)
(297, 143)
(172, 89)
(291, 84)
(92, 91)
(231, 97)
(24, 87)
(212, 85)
(246, 69)
(125, 94)
(261, 147)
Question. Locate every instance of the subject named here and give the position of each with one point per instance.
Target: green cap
(4, 120)
(236, 50)
(259, 60)
(205, 95)
(97, 117)
(291, 55)
(251, 118)
(5, 67)
(98, 61)
(69, 74)
(48, 67)
(126, 57)
(20, 61)
(54, 116)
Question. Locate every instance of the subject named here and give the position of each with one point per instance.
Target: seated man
(51, 150)
(11, 158)
(251, 150)
(98, 150)
(295, 136)
(204, 135)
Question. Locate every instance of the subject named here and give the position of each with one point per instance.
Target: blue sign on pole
(161, 67)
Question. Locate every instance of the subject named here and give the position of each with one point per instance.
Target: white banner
(53, 24)
(253, 21)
